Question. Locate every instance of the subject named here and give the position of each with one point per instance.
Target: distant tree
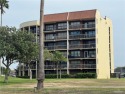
(120, 69)
(8, 52)
(3, 4)
(16, 45)
(47, 55)
(58, 57)
(27, 48)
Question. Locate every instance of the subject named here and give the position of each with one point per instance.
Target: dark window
(75, 53)
(90, 33)
(75, 23)
(75, 33)
(61, 43)
(75, 62)
(49, 27)
(74, 42)
(62, 25)
(49, 36)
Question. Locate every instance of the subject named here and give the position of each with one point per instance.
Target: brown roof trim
(77, 15)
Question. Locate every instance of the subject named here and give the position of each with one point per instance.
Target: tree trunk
(41, 75)
(1, 18)
(60, 71)
(30, 73)
(57, 73)
(6, 72)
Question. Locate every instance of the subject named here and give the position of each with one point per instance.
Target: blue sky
(26, 10)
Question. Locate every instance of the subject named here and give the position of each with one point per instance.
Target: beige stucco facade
(104, 57)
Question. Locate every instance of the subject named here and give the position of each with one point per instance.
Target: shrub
(50, 76)
(85, 75)
(64, 76)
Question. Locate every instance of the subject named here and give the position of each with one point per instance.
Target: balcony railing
(54, 67)
(60, 37)
(84, 46)
(79, 26)
(81, 36)
(90, 56)
(85, 26)
(82, 66)
(56, 47)
(56, 38)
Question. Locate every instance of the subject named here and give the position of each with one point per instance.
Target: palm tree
(41, 75)
(3, 4)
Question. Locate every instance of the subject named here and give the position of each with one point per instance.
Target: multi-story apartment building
(84, 37)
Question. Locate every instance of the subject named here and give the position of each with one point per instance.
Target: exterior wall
(102, 47)
(103, 66)
(29, 23)
(109, 22)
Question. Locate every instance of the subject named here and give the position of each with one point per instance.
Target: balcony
(82, 66)
(53, 67)
(56, 38)
(61, 47)
(82, 46)
(90, 56)
(60, 37)
(57, 47)
(81, 36)
(82, 26)
(59, 28)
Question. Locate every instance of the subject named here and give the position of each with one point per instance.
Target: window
(75, 23)
(50, 44)
(49, 36)
(75, 62)
(74, 42)
(92, 54)
(90, 33)
(49, 27)
(62, 25)
(75, 53)
(61, 43)
(61, 34)
(75, 33)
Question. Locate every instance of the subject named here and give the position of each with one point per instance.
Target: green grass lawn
(64, 86)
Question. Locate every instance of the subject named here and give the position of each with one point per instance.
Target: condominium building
(84, 37)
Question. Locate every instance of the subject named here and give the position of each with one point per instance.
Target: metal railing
(60, 37)
(54, 67)
(56, 47)
(82, 56)
(56, 38)
(81, 36)
(85, 26)
(82, 46)
(82, 66)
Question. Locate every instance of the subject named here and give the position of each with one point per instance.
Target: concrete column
(23, 71)
(28, 71)
(67, 44)
(19, 73)
(36, 43)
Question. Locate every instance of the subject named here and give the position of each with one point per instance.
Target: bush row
(78, 75)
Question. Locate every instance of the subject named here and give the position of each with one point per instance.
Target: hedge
(85, 75)
(78, 75)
